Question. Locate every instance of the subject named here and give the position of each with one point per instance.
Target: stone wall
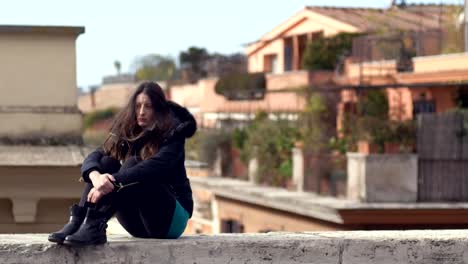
(382, 177)
(384, 247)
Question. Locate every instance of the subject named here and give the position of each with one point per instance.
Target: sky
(123, 30)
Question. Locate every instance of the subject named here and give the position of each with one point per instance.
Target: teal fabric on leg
(179, 221)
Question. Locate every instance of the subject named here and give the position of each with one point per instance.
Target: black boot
(77, 215)
(91, 232)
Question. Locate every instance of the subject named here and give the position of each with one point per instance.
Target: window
(231, 226)
(462, 96)
(288, 54)
(423, 105)
(350, 108)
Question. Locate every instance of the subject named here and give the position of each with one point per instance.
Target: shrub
(273, 142)
(99, 115)
(205, 144)
(242, 86)
(374, 104)
(324, 53)
(94, 138)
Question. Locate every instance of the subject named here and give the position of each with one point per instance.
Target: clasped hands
(102, 185)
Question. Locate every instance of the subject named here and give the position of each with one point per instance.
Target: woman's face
(144, 111)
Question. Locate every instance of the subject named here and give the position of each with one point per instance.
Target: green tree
(272, 142)
(193, 60)
(154, 67)
(374, 104)
(324, 53)
(118, 66)
(242, 86)
(373, 121)
(313, 124)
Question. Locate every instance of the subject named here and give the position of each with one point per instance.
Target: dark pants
(145, 209)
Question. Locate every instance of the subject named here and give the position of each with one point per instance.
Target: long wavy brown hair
(126, 136)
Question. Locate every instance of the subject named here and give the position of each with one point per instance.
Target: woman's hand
(102, 182)
(94, 195)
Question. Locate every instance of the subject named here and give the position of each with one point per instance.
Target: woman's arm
(158, 168)
(91, 163)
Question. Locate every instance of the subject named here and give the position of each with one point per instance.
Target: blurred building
(281, 100)
(40, 131)
(279, 54)
(114, 92)
(436, 84)
(281, 50)
(234, 206)
(433, 83)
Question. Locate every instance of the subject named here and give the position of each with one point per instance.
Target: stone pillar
(296, 59)
(382, 177)
(253, 166)
(298, 168)
(217, 166)
(24, 209)
(216, 222)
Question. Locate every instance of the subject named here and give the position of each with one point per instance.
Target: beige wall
(37, 69)
(31, 124)
(51, 215)
(36, 199)
(112, 95)
(439, 63)
(376, 68)
(288, 80)
(257, 218)
(38, 91)
(189, 95)
(38, 99)
(448, 62)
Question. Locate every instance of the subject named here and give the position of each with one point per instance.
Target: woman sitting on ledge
(138, 174)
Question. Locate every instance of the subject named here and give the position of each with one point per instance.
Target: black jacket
(165, 167)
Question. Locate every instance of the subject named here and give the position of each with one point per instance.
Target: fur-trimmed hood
(185, 125)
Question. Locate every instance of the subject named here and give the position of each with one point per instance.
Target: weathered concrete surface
(311, 205)
(357, 247)
(382, 177)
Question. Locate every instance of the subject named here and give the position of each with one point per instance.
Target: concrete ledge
(354, 247)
